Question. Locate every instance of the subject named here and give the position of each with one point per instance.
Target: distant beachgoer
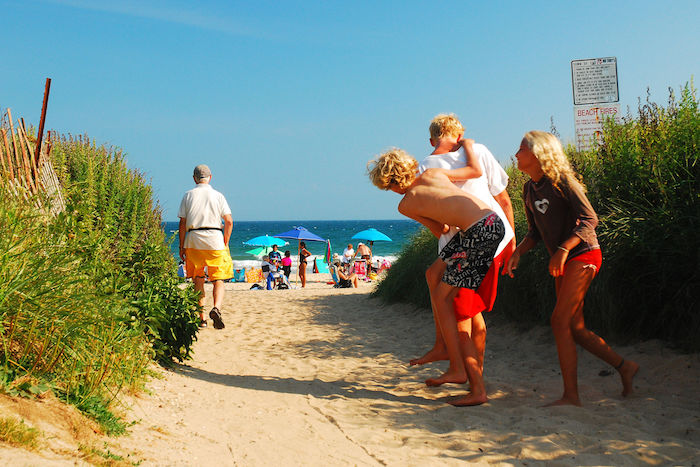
(287, 263)
(434, 201)
(203, 243)
(559, 213)
(275, 256)
(303, 254)
(348, 253)
(472, 168)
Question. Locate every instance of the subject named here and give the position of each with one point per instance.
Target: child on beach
(472, 168)
(559, 214)
(434, 201)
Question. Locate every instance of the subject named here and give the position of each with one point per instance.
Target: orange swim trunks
(469, 303)
(218, 263)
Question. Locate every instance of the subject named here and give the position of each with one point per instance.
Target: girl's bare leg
(456, 373)
(571, 290)
(598, 347)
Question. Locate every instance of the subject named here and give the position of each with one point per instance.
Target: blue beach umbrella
(300, 233)
(265, 240)
(372, 235)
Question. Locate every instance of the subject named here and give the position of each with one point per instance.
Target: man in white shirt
(445, 133)
(348, 253)
(203, 243)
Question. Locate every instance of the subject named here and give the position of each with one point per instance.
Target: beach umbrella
(265, 240)
(300, 233)
(372, 235)
(260, 251)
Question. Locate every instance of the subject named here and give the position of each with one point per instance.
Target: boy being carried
(434, 201)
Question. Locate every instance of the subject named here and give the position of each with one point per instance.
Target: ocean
(339, 232)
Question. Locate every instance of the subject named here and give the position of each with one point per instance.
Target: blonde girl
(559, 213)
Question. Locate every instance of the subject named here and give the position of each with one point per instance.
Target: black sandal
(215, 316)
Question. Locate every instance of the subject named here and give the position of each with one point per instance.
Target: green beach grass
(90, 297)
(643, 183)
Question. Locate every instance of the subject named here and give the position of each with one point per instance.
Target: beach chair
(334, 276)
(360, 269)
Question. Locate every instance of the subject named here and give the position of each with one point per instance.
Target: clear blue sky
(287, 101)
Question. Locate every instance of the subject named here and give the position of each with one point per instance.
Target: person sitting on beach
(346, 278)
(287, 263)
(559, 214)
(472, 168)
(434, 201)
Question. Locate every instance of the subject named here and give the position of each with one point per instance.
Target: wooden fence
(21, 172)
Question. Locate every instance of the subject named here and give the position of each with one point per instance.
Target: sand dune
(319, 377)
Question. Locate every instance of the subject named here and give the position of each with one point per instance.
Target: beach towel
(254, 275)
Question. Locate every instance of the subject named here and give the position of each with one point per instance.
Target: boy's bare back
(435, 198)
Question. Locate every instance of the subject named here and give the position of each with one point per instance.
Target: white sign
(589, 121)
(595, 80)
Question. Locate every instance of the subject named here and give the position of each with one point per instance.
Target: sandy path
(317, 377)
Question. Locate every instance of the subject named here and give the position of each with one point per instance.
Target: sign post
(596, 98)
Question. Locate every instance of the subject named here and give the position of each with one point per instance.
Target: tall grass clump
(114, 206)
(57, 324)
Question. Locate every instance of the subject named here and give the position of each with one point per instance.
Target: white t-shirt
(348, 254)
(203, 206)
(493, 181)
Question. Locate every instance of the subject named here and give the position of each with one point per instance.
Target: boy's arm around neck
(472, 169)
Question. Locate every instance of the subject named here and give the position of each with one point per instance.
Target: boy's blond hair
(395, 166)
(444, 125)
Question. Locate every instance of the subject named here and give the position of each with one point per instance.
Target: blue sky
(287, 101)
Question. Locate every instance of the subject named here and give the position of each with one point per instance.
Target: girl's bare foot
(433, 355)
(627, 371)
(469, 400)
(450, 376)
(565, 401)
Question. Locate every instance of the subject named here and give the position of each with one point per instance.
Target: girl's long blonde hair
(550, 153)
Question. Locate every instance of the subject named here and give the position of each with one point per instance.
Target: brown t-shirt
(553, 216)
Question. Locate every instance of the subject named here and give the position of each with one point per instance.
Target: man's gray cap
(201, 171)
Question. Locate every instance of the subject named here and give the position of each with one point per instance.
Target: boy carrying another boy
(473, 169)
(434, 201)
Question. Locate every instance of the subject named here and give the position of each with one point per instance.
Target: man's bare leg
(456, 372)
(477, 390)
(199, 287)
(433, 276)
(219, 291)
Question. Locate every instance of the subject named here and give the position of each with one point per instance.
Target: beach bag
(239, 275)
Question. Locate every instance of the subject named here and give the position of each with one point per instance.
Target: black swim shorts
(470, 252)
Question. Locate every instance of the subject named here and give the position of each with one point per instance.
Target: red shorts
(593, 257)
(469, 303)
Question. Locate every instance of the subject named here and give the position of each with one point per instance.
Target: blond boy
(434, 201)
(472, 168)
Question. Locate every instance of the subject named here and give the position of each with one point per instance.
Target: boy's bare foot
(469, 400)
(450, 376)
(627, 373)
(565, 401)
(433, 355)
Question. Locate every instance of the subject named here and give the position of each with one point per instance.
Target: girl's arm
(526, 245)
(472, 169)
